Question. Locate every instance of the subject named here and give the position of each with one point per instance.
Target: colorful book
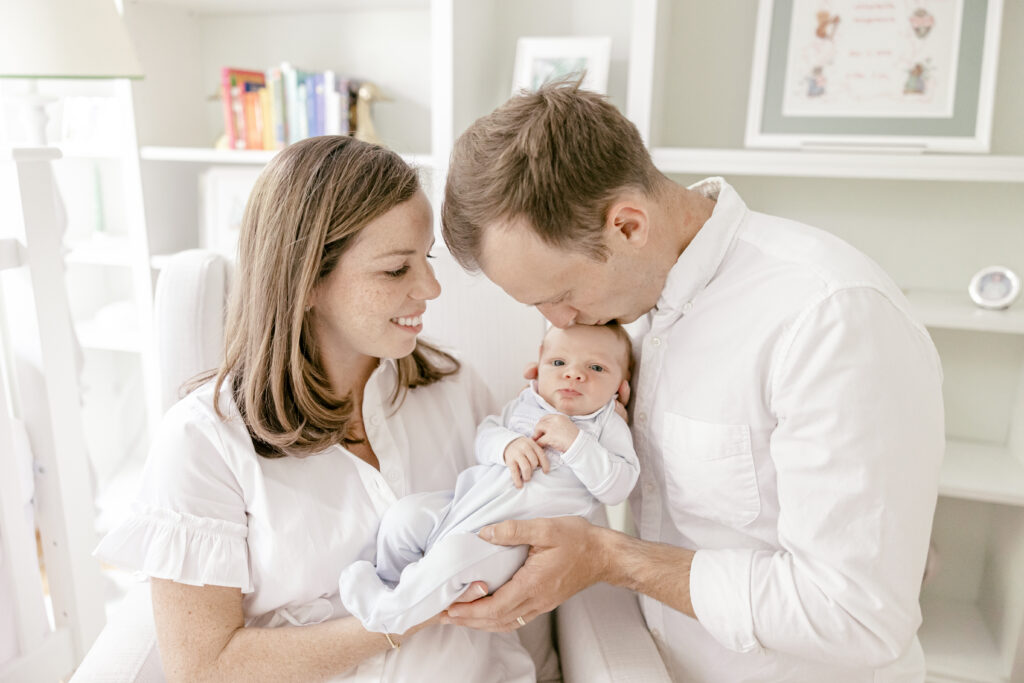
(232, 84)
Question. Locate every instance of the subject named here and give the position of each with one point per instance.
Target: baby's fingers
(517, 478)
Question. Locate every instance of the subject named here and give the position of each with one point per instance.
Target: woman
(272, 475)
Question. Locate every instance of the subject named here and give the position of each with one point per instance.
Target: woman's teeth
(409, 322)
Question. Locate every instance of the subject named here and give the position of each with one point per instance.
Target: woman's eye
(397, 273)
(558, 363)
(431, 256)
(597, 368)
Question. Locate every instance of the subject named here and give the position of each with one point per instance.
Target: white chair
(601, 636)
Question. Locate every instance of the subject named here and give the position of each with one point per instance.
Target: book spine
(291, 98)
(252, 117)
(266, 118)
(279, 115)
(228, 111)
(311, 105)
(301, 116)
(332, 105)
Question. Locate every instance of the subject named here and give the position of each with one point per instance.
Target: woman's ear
(624, 392)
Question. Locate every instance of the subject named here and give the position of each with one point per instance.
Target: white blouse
(210, 511)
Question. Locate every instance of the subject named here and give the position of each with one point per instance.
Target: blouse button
(375, 420)
(393, 475)
(656, 341)
(687, 307)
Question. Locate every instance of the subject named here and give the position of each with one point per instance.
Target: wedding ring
(521, 621)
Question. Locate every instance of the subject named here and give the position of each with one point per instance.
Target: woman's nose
(427, 287)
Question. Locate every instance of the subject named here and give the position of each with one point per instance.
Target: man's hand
(555, 430)
(566, 556)
(523, 456)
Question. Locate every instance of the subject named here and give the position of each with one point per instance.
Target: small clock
(995, 287)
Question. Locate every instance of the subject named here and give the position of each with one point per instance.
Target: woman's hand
(523, 456)
(567, 554)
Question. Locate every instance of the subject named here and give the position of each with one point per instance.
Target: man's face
(566, 287)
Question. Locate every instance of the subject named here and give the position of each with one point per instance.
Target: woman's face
(373, 301)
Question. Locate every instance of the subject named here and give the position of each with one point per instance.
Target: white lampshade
(64, 39)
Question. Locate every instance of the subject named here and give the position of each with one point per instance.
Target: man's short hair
(557, 157)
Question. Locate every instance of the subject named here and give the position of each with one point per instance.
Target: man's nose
(560, 315)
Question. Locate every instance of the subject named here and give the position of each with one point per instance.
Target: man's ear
(627, 220)
(624, 392)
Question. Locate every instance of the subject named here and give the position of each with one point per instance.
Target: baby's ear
(624, 392)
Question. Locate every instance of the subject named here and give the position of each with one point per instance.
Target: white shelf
(981, 472)
(957, 644)
(208, 155)
(831, 164)
(956, 311)
(264, 6)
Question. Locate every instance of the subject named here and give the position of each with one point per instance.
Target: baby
(567, 451)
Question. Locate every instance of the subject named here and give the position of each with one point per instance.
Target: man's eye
(397, 273)
(558, 363)
(597, 368)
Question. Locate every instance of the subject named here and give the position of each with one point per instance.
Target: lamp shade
(64, 39)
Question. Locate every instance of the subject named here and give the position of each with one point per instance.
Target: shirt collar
(702, 258)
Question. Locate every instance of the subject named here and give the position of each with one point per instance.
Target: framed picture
(540, 60)
(912, 76)
(223, 193)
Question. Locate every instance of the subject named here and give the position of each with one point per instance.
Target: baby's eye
(597, 368)
(558, 363)
(397, 273)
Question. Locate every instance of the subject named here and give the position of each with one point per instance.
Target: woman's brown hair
(307, 208)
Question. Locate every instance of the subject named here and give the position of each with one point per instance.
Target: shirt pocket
(709, 472)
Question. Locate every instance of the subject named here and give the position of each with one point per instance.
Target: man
(786, 410)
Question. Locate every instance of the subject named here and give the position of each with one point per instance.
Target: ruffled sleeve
(188, 522)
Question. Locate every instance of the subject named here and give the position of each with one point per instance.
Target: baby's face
(581, 368)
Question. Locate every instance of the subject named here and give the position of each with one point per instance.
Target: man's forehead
(514, 258)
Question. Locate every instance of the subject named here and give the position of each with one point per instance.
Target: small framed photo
(224, 192)
(900, 76)
(540, 60)
(995, 287)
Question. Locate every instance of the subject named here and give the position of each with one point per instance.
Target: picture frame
(541, 60)
(224, 192)
(842, 74)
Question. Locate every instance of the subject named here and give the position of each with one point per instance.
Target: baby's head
(583, 366)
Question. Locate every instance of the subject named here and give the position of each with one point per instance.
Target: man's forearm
(658, 570)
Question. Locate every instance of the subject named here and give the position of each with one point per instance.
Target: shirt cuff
(720, 594)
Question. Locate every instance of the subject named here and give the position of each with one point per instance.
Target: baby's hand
(556, 431)
(523, 456)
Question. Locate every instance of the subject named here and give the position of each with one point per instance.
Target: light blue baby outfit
(427, 548)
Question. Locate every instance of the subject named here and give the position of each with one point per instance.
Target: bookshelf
(931, 220)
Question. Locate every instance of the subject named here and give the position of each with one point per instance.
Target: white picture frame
(854, 81)
(541, 60)
(224, 192)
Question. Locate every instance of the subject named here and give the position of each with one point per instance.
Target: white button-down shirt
(788, 419)
(211, 511)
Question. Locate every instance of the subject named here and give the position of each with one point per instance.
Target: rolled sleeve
(720, 593)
